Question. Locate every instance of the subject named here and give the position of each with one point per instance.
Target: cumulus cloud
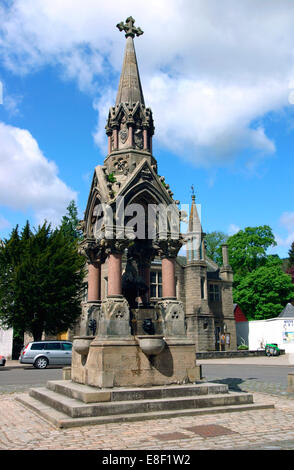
(233, 229)
(287, 222)
(28, 181)
(210, 70)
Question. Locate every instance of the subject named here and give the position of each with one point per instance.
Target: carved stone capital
(93, 251)
(168, 248)
(143, 253)
(111, 246)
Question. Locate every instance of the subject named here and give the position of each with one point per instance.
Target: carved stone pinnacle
(129, 28)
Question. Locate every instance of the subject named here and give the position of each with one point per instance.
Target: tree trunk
(37, 330)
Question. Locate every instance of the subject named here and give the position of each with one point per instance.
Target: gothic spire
(194, 220)
(130, 88)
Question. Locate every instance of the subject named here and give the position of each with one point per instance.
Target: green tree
(291, 255)
(69, 223)
(264, 292)
(248, 250)
(290, 268)
(214, 240)
(41, 281)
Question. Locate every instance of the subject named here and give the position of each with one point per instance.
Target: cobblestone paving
(252, 385)
(269, 429)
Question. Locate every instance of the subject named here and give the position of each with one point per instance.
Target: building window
(155, 284)
(202, 287)
(214, 293)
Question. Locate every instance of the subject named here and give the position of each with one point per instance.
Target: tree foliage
(264, 292)
(290, 268)
(41, 280)
(69, 223)
(248, 249)
(214, 241)
(261, 288)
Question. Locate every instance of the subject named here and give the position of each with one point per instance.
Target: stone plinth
(121, 363)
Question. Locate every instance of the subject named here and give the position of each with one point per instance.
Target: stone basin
(81, 344)
(151, 345)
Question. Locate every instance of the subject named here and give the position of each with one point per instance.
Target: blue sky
(217, 75)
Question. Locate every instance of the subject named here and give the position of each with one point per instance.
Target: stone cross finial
(193, 192)
(129, 28)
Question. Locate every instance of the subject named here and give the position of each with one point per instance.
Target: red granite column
(145, 137)
(115, 139)
(131, 137)
(94, 280)
(114, 274)
(168, 278)
(109, 144)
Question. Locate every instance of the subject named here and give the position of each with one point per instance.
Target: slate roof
(287, 312)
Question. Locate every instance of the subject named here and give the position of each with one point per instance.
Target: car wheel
(41, 363)
(272, 351)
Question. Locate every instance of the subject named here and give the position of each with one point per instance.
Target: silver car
(44, 353)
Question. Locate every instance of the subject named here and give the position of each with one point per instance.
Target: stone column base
(121, 363)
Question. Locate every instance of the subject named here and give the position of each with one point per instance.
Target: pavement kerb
(14, 364)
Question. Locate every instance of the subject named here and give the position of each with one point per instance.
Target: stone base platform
(68, 404)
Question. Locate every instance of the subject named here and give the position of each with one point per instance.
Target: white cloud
(287, 222)
(210, 70)
(4, 223)
(28, 181)
(233, 229)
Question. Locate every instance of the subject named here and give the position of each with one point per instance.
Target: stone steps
(68, 404)
(76, 409)
(61, 420)
(91, 395)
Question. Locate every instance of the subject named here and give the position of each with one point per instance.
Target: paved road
(270, 429)
(261, 376)
(20, 379)
(269, 379)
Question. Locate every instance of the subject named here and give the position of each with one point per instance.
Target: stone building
(136, 270)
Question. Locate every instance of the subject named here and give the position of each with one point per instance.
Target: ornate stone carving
(94, 252)
(129, 28)
(173, 316)
(114, 246)
(168, 248)
(121, 166)
(138, 139)
(146, 174)
(114, 318)
(123, 134)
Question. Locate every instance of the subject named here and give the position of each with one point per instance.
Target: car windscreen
(37, 346)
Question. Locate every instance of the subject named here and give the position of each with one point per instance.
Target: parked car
(44, 353)
(272, 349)
(2, 360)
